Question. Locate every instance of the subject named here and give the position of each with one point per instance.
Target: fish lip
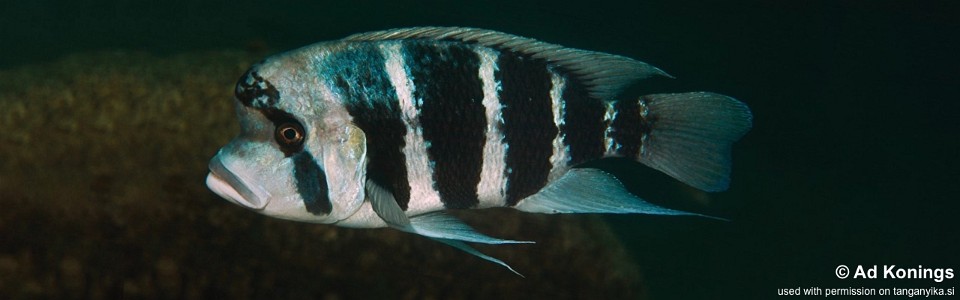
(228, 185)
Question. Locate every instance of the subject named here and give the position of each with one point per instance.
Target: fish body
(391, 128)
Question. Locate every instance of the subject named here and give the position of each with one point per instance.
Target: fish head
(287, 161)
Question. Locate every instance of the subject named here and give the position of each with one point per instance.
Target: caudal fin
(690, 135)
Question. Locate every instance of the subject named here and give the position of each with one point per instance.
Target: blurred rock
(102, 166)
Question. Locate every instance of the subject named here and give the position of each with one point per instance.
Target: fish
(393, 128)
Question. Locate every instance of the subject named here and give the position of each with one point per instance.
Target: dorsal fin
(604, 75)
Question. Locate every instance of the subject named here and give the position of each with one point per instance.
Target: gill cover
(344, 154)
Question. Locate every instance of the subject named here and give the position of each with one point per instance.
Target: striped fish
(391, 128)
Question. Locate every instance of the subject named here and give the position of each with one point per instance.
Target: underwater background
(110, 110)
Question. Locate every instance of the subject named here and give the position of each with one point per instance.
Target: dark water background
(853, 158)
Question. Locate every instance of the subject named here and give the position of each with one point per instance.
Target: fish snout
(229, 185)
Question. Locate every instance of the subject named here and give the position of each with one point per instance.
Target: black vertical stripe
(528, 123)
(278, 118)
(452, 116)
(628, 128)
(583, 126)
(311, 184)
(371, 100)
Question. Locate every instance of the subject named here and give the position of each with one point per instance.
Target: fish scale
(452, 117)
(353, 72)
(392, 128)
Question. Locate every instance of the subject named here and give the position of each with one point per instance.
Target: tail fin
(691, 134)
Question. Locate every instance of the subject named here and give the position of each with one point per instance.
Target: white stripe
(560, 156)
(608, 117)
(331, 107)
(423, 197)
(644, 110)
(493, 184)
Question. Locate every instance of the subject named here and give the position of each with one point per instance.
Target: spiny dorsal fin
(604, 75)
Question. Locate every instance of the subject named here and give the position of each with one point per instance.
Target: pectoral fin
(386, 207)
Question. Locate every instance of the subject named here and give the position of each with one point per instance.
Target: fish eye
(289, 134)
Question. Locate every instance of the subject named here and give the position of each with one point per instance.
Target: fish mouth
(228, 185)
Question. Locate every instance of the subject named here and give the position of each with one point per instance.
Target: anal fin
(587, 190)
